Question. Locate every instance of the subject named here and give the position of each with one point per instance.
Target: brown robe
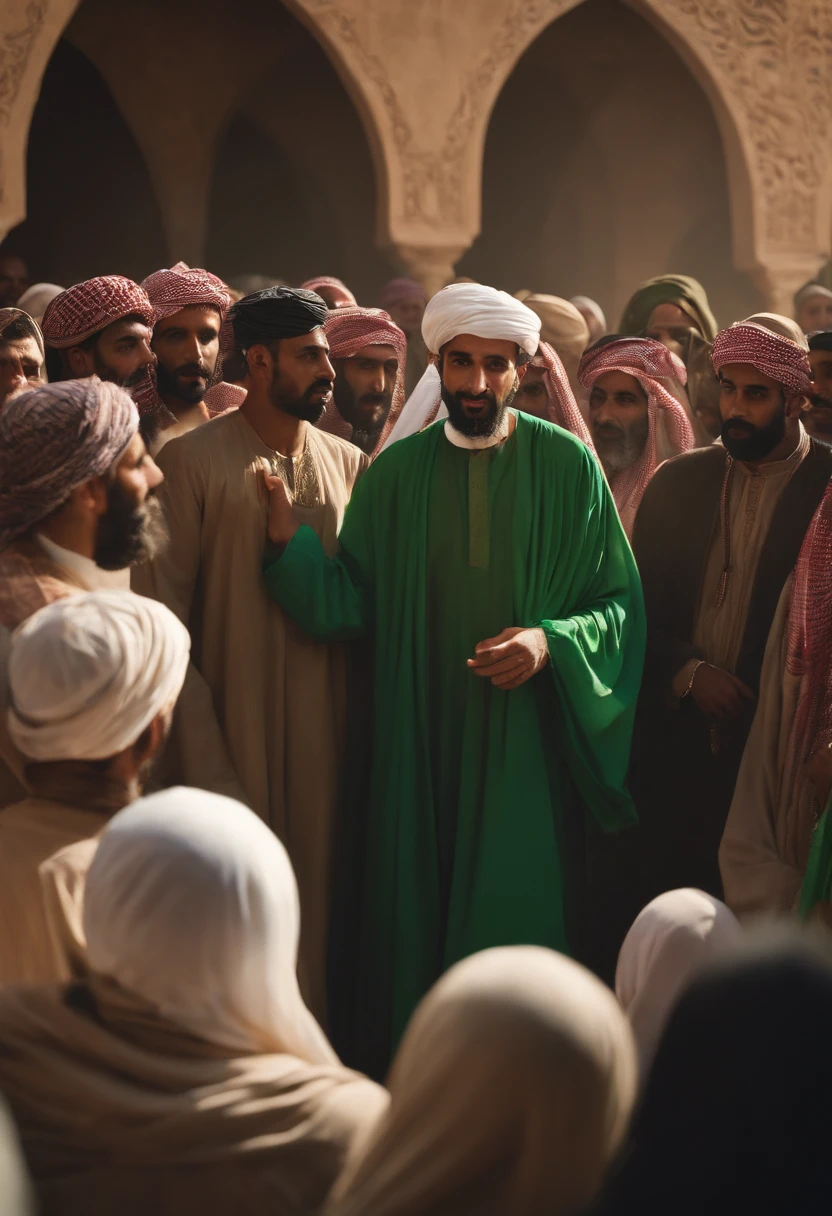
(681, 787)
(279, 697)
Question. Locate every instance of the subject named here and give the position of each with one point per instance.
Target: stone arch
(592, 183)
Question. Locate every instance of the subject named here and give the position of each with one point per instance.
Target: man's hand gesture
(511, 658)
(282, 523)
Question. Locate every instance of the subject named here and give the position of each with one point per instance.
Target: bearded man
(101, 327)
(717, 535)
(635, 422)
(76, 508)
(368, 353)
(21, 354)
(189, 306)
(278, 696)
(486, 557)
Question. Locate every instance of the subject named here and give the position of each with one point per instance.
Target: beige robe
(767, 837)
(279, 697)
(32, 951)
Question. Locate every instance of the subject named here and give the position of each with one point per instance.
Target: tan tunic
(279, 696)
(31, 832)
(718, 632)
(767, 837)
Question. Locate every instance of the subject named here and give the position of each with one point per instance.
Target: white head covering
(675, 935)
(88, 673)
(463, 308)
(35, 299)
(191, 904)
(509, 1093)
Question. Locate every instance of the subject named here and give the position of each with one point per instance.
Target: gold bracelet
(689, 688)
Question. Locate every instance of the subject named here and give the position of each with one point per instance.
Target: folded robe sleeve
(597, 656)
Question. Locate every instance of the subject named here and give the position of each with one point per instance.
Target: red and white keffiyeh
(169, 291)
(771, 354)
(809, 646)
(650, 363)
(85, 309)
(327, 280)
(563, 408)
(184, 286)
(349, 330)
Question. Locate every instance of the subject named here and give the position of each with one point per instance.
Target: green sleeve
(597, 657)
(329, 597)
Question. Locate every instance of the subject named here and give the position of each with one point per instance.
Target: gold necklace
(299, 475)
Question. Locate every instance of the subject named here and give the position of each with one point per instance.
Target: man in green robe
(486, 557)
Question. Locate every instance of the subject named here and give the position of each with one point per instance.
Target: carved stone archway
(425, 78)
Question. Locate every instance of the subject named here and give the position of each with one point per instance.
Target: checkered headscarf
(349, 330)
(650, 363)
(771, 354)
(81, 311)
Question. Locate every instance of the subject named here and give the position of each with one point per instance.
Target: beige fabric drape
(510, 1091)
(675, 935)
(565, 329)
(277, 698)
(765, 846)
(121, 1112)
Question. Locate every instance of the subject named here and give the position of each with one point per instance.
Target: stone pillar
(781, 276)
(430, 264)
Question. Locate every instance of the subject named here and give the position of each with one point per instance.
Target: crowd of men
(370, 677)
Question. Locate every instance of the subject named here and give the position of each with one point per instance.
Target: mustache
(321, 384)
(374, 399)
(609, 429)
(739, 424)
(193, 369)
(485, 395)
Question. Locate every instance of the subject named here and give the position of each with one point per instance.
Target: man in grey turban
(93, 679)
(279, 696)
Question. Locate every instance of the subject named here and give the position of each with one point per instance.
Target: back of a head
(16, 1194)
(191, 904)
(671, 939)
(735, 1115)
(510, 1090)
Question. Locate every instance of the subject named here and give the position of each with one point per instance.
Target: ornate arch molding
(29, 32)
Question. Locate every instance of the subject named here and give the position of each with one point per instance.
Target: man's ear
(260, 359)
(797, 404)
(81, 362)
(521, 371)
(91, 496)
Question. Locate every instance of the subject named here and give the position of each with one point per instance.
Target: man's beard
(129, 532)
(366, 414)
(173, 384)
(300, 407)
(756, 442)
(487, 424)
(820, 418)
(134, 380)
(619, 447)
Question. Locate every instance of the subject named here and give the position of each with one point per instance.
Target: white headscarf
(463, 308)
(510, 1091)
(675, 935)
(88, 673)
(191, 903)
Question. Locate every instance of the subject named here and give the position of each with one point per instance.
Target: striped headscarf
(783, 360)
(53, 439)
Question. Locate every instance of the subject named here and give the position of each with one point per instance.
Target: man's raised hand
(282, 524)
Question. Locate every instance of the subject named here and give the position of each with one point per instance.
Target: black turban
(276, 312)
(821, 340)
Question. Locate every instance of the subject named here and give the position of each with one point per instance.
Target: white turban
(191, 903)
(90, 672)
(463, 308)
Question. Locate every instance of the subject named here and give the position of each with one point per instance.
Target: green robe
(441, 548)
